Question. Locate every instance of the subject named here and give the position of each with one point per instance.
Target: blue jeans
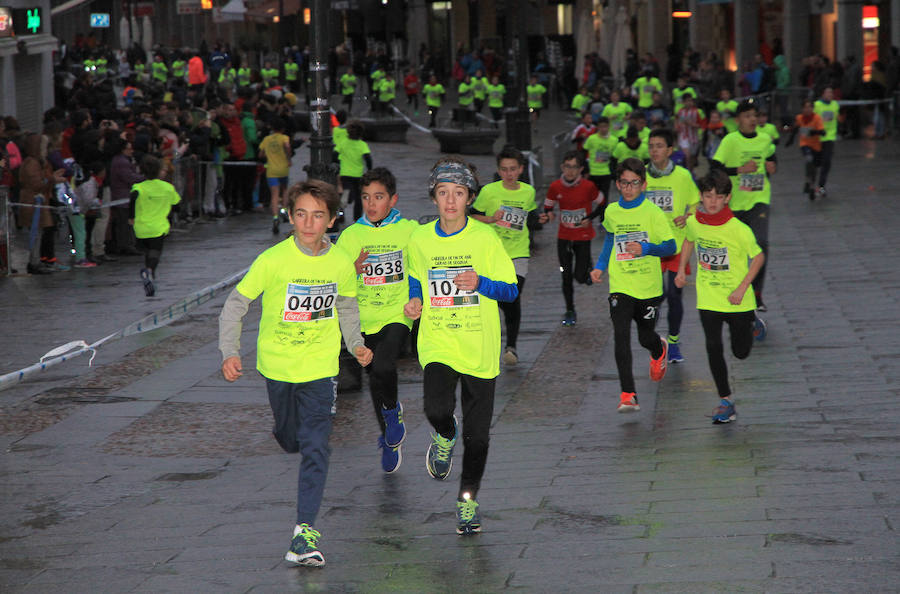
(303, 414)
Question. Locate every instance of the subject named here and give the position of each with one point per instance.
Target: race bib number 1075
(443, 292)
(308, 303)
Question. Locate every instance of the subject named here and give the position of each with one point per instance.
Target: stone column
(795, 37)
(746, 31)
(417, 28)
(895, 23)
(849, 29)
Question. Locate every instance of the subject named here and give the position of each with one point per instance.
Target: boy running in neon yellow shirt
(151, 202)
(463, 267)
(672, 189)
(637, 236)
(308, 291)
(724, 247)
(378, 242)
(506, 205)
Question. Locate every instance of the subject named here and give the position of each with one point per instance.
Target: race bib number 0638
(308, 303)
(383, 269)
(443, 292)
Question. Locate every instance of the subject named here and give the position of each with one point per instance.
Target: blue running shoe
(724, 413)
(467, 519)
(395, 430)
(305, 547)
(570, 318)
(675, 355)
(439, 457)
(390, 456)
(759, 329)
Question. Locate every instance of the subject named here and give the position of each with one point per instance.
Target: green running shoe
(305, 547)
(467, 519)
(439, 457)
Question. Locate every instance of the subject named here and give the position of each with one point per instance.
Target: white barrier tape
(480, 115)
(409, 121)
(65, 208)
(854, 102)
(151, 322)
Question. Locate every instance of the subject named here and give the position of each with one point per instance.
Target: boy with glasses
(638, 235)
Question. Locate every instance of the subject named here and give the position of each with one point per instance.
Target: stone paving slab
(798, 496)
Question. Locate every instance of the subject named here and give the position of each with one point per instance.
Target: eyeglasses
(635, 183)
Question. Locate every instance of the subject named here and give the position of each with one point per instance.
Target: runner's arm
(415, 288)
(719, 165)
(230, 323)
(603, 260)
(497, 290)
(348, 318)
(661, 250)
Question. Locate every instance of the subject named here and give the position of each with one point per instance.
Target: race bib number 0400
(713, 258)
(383, 269)
(512, 217)
(443, 292)
(661, 198)
(624, 239)
(308, 303)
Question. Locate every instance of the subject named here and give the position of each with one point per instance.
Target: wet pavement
(149, 472)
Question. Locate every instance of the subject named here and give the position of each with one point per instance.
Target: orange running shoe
(658, 366)
(628, 403)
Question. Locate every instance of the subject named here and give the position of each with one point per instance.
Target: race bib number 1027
(308, 303)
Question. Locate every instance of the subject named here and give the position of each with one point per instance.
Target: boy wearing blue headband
(462, 266)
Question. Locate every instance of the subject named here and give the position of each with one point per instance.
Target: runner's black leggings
(355, 198)
(672, 295)
(827, 154)
(580, 252)
(386, 346)
(477, 409)
(623, 309)
(152, 248)
(740, 326)
(757, 218)
(512, 311)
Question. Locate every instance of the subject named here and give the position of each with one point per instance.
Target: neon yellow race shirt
(829, 113)
(753, 188)
(723, 254)
(515, 205)
(460, 329)
(599, 149)
(299, 336)
(383, 287)
(673, 194)
(637, 276)
(151, 210)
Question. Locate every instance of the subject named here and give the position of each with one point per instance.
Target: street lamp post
(320, 144)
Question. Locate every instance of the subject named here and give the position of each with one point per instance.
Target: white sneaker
(510, 357)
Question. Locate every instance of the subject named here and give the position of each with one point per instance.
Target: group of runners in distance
(456, 273)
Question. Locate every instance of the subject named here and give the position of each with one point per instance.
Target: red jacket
(196, 76)
(237, 146)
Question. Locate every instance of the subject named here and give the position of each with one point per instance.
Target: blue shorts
(277, 181)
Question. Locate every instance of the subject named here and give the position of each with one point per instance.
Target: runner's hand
(413, 309)
(681, 221)
(748, 167)
(737, 296)
(466, 281)
(680, 280)
(360, 262)
(231, 368)
(363, 355)
(596, 275)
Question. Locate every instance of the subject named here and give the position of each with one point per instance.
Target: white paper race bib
(571, 218)
(308, 303)
(621, 240)
(713, 258)
(752, 182)
(512, 217)
(383, 269)
(601, 157)
(443, 292)
(661, 198)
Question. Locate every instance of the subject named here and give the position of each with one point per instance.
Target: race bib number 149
(308, 303)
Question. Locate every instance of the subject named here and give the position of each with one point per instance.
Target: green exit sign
(28, 21)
